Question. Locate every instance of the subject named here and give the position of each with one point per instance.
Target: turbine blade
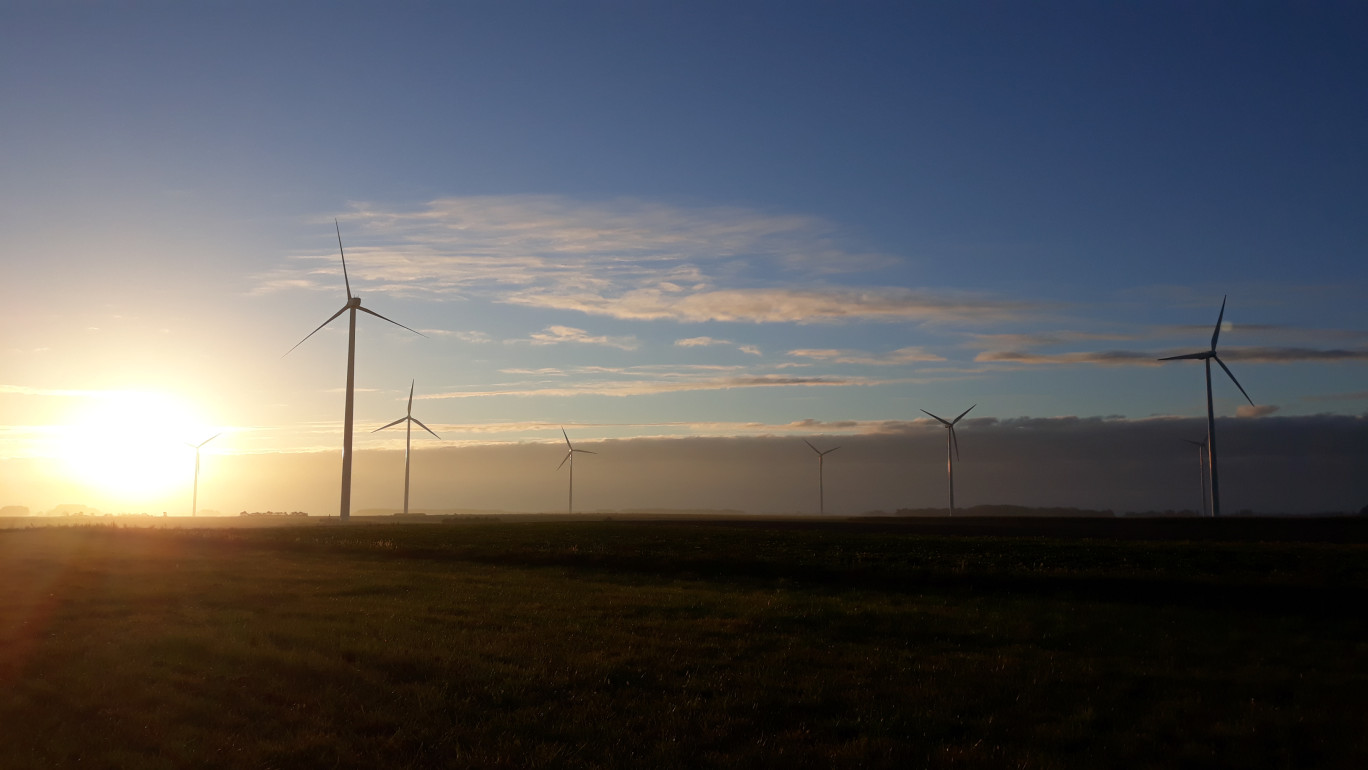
(810, 446)
(1194, 443)
(567, 457)
(1194, 356)
(396, 422)
(829, 451)
(424, 427)
(315, 331)
(1232, 379)
(206, 441)
(584, 451)
(943, 422)
(954, 440)
(966, 411)
(345, 279)
(410, 406)
(1217, 333)
(382, 318)
(567, 439)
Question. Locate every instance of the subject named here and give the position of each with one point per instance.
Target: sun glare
(132, 447)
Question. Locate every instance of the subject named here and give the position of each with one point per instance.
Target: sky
(691, 234)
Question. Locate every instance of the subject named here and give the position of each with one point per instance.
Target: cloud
(555, 335)
(464, 336)
(641, 387)
(699, 342)
(1245, 410)
(1276, 464)
(1020, 341)
(1104, 358)
(1258, 355)
(897, 357)
(624, 259)
(1254, 355)
(1355, 396)
(783, 305)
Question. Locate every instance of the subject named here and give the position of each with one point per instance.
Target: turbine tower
(353, 305)
(1208, 356)
(1201, 470)
(821, 491)
(570, 452)
(951, 442)
(408, 438)
(194, 500)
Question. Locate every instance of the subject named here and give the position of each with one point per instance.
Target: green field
(686, 644)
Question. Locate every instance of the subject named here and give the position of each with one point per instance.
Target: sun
(130, 447)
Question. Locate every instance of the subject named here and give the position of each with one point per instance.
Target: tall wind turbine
(408, 438)
(570, 452)
(1201, 469)
(353, 305)
(194, 501)
(1207, 356)
(821, 492)
(951, 442)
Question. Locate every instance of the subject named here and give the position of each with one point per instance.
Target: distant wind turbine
(1201, 469)
(821, 491)
(570, 452)
(410, 421)
(353, 305)
(1207, 356)
(951, 443)
(194, 500)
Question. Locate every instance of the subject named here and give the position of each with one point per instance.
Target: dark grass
(679, 644)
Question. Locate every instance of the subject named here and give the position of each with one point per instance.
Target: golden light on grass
(130, 447)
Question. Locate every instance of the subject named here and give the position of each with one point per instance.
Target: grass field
(686, 644)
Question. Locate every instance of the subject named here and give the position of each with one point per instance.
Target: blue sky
(702, 219)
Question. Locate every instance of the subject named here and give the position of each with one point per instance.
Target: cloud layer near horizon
(1271, 464)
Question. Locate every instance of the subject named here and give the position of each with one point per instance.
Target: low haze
(693, 235)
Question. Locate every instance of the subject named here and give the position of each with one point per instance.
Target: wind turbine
(408, 438)
(1201, 469)
(194, 501)
(1207, 356)
(570, 452)
(821, 492)
(951, 442)
(353, 305)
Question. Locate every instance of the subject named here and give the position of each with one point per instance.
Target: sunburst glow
(132, 446)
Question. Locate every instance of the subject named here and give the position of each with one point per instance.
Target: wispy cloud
(1255, 355)
(1361, 395)
(642, 387)
(1104, 357)
(464, 336)
(556, 335)
(1020, 341)
(783, 305)
(897, 357)
(699, 342)
(1262, 410)
(1290, 355)
(625, 259)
